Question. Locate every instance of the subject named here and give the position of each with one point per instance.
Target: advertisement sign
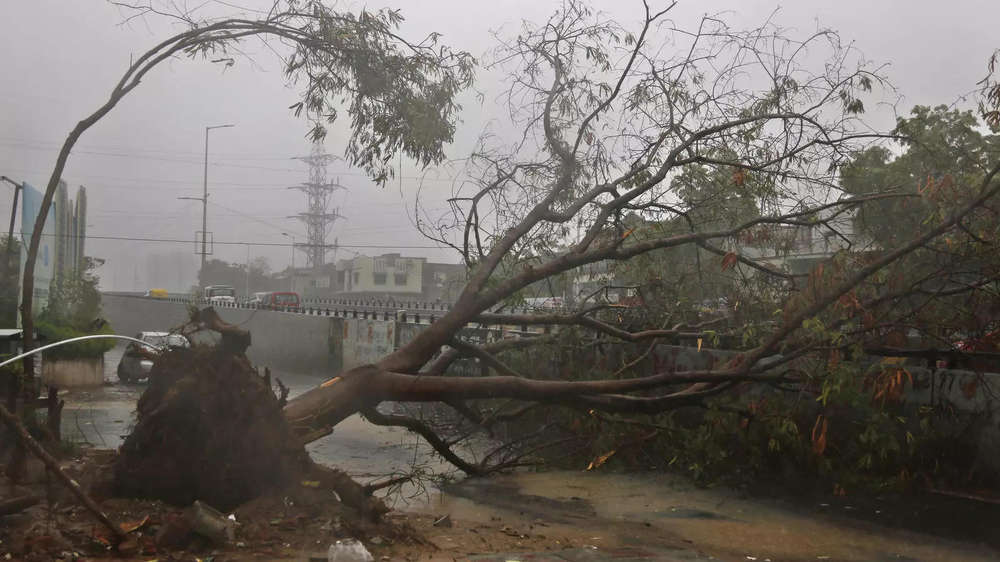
(45, 264)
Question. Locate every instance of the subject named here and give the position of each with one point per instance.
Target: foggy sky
(60, 59)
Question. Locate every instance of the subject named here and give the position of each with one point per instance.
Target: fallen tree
(627, 151)
(634, 143)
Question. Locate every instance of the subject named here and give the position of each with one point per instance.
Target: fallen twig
(15, 505)
(50, 463)
(373, 487)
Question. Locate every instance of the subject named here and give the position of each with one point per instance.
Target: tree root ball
(208, 428)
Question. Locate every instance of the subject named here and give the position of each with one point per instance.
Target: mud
(614, 511)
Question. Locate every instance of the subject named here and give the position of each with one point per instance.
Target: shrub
(76, 350)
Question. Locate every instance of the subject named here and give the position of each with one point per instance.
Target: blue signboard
(45, 264)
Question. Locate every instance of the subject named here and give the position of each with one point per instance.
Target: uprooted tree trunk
(210, 428)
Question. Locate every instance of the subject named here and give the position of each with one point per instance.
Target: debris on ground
(348, 550)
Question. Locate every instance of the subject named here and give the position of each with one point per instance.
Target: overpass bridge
(319, 337)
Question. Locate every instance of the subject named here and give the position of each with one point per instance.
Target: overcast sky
(60, 59)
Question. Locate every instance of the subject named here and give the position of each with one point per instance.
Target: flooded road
(602, 510)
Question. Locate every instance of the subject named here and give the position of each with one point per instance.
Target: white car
(134, 365)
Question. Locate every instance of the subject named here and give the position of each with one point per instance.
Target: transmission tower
(319, 217)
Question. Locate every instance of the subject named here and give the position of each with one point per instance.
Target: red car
(281, 301)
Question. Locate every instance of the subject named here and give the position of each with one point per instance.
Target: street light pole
(204, 197)
(292, 276)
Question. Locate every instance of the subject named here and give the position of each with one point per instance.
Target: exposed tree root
(210, 428)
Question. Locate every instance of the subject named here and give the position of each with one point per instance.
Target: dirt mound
(209, 428)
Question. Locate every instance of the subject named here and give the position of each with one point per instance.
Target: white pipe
(80, 338)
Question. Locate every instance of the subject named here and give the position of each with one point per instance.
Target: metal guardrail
(367, 312)
(409, 312)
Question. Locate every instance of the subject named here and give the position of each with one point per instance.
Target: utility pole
(10, 235)
(13, 208)
(292, 236)
(204, 198)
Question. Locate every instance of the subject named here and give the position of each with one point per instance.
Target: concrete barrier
(282, 341)
(73, 373)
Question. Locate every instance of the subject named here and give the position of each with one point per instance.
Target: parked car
(281, 300)
(135, 365)
(258, 299)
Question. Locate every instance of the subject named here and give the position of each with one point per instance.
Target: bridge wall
(288, 342)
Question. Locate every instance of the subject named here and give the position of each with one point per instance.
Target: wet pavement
(604, 516)
(102, 417)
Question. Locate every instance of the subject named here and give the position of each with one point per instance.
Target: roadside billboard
(45, 264)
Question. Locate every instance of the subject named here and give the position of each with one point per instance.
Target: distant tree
(940, 156)
(935, 145)
(74, 298)
(218, 272)
(74, 309)
(989, 106)
(260, 267)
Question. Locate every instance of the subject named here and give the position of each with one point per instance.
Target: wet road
(605, 510)
(102, 417)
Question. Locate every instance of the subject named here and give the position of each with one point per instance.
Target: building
(382, 277)
(388, 274)
(61, 249)
(797, 249)
(70, 221)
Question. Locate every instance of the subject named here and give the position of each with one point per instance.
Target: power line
(146, 157)
(136, 153)
(243, 243)
(256, 219)
(130, 183)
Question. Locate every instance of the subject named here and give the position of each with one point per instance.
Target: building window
(379, 278)
(357, 278)
(400, 278)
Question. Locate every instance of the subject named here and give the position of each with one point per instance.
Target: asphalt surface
(101, 417)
